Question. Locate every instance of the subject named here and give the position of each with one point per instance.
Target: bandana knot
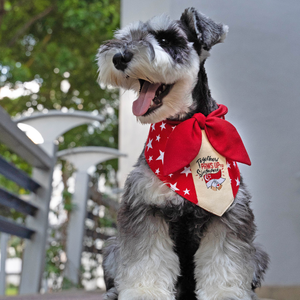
(201, 120)
(185, 141)
(218, 113)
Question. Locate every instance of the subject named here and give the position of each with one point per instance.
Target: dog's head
(162, 61)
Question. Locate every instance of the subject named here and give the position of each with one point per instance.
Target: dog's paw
(145, 294)
(111, 294)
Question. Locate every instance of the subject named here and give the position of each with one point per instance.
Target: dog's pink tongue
(142, 103)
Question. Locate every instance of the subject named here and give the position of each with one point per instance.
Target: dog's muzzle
(121, 60)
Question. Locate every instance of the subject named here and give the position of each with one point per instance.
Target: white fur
(198, 33)
(160, 22)
(108, 75)
(149, 189)
(204, 55)
(154, 276)
(225, 31)
(220, 269)
(127, 30)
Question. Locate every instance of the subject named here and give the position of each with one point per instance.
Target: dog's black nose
(121, 60)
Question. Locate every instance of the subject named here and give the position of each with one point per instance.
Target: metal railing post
(50, 126)
(35, 249)
(3, 240)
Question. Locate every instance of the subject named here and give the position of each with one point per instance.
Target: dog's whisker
(149, 80)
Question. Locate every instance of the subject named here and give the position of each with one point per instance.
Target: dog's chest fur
(187, 222)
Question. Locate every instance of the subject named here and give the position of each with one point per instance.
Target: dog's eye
(164, 42)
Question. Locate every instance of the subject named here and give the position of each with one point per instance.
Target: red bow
(185, 141)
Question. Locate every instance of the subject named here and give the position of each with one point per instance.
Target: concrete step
(279, 292)
(68, 295)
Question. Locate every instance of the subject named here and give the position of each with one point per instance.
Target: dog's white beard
(161, 69)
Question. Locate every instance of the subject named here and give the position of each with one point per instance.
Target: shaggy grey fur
(168, 248)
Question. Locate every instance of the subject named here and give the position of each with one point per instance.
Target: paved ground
(78, 295)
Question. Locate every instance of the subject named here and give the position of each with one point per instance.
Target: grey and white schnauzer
(167, 247)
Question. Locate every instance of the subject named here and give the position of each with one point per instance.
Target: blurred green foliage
(55, 42)
(50, 42)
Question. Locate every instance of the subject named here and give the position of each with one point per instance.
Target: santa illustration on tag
(214, 180)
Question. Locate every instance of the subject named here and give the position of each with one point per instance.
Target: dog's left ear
(205, 31)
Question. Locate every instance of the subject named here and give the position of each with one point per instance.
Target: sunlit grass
(11, 291)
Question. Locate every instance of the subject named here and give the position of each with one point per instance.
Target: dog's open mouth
(150, 98)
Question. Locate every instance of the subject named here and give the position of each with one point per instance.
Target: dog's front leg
(226, 260)
(148, 267)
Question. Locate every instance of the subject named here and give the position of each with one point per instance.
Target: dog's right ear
(205, 32)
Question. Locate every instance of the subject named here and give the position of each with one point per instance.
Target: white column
(132, 135)
(82, 159)
(76, 227)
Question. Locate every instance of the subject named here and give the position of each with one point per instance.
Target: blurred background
(47, 61)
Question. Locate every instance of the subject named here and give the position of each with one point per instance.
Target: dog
(167, 247)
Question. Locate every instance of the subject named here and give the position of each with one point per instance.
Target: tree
(48, 61)
(53, 45)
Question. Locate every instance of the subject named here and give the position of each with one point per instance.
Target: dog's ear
(205, 31)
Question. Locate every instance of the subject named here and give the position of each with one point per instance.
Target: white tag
(211, 179)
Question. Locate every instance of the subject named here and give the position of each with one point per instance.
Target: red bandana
(173, 153)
